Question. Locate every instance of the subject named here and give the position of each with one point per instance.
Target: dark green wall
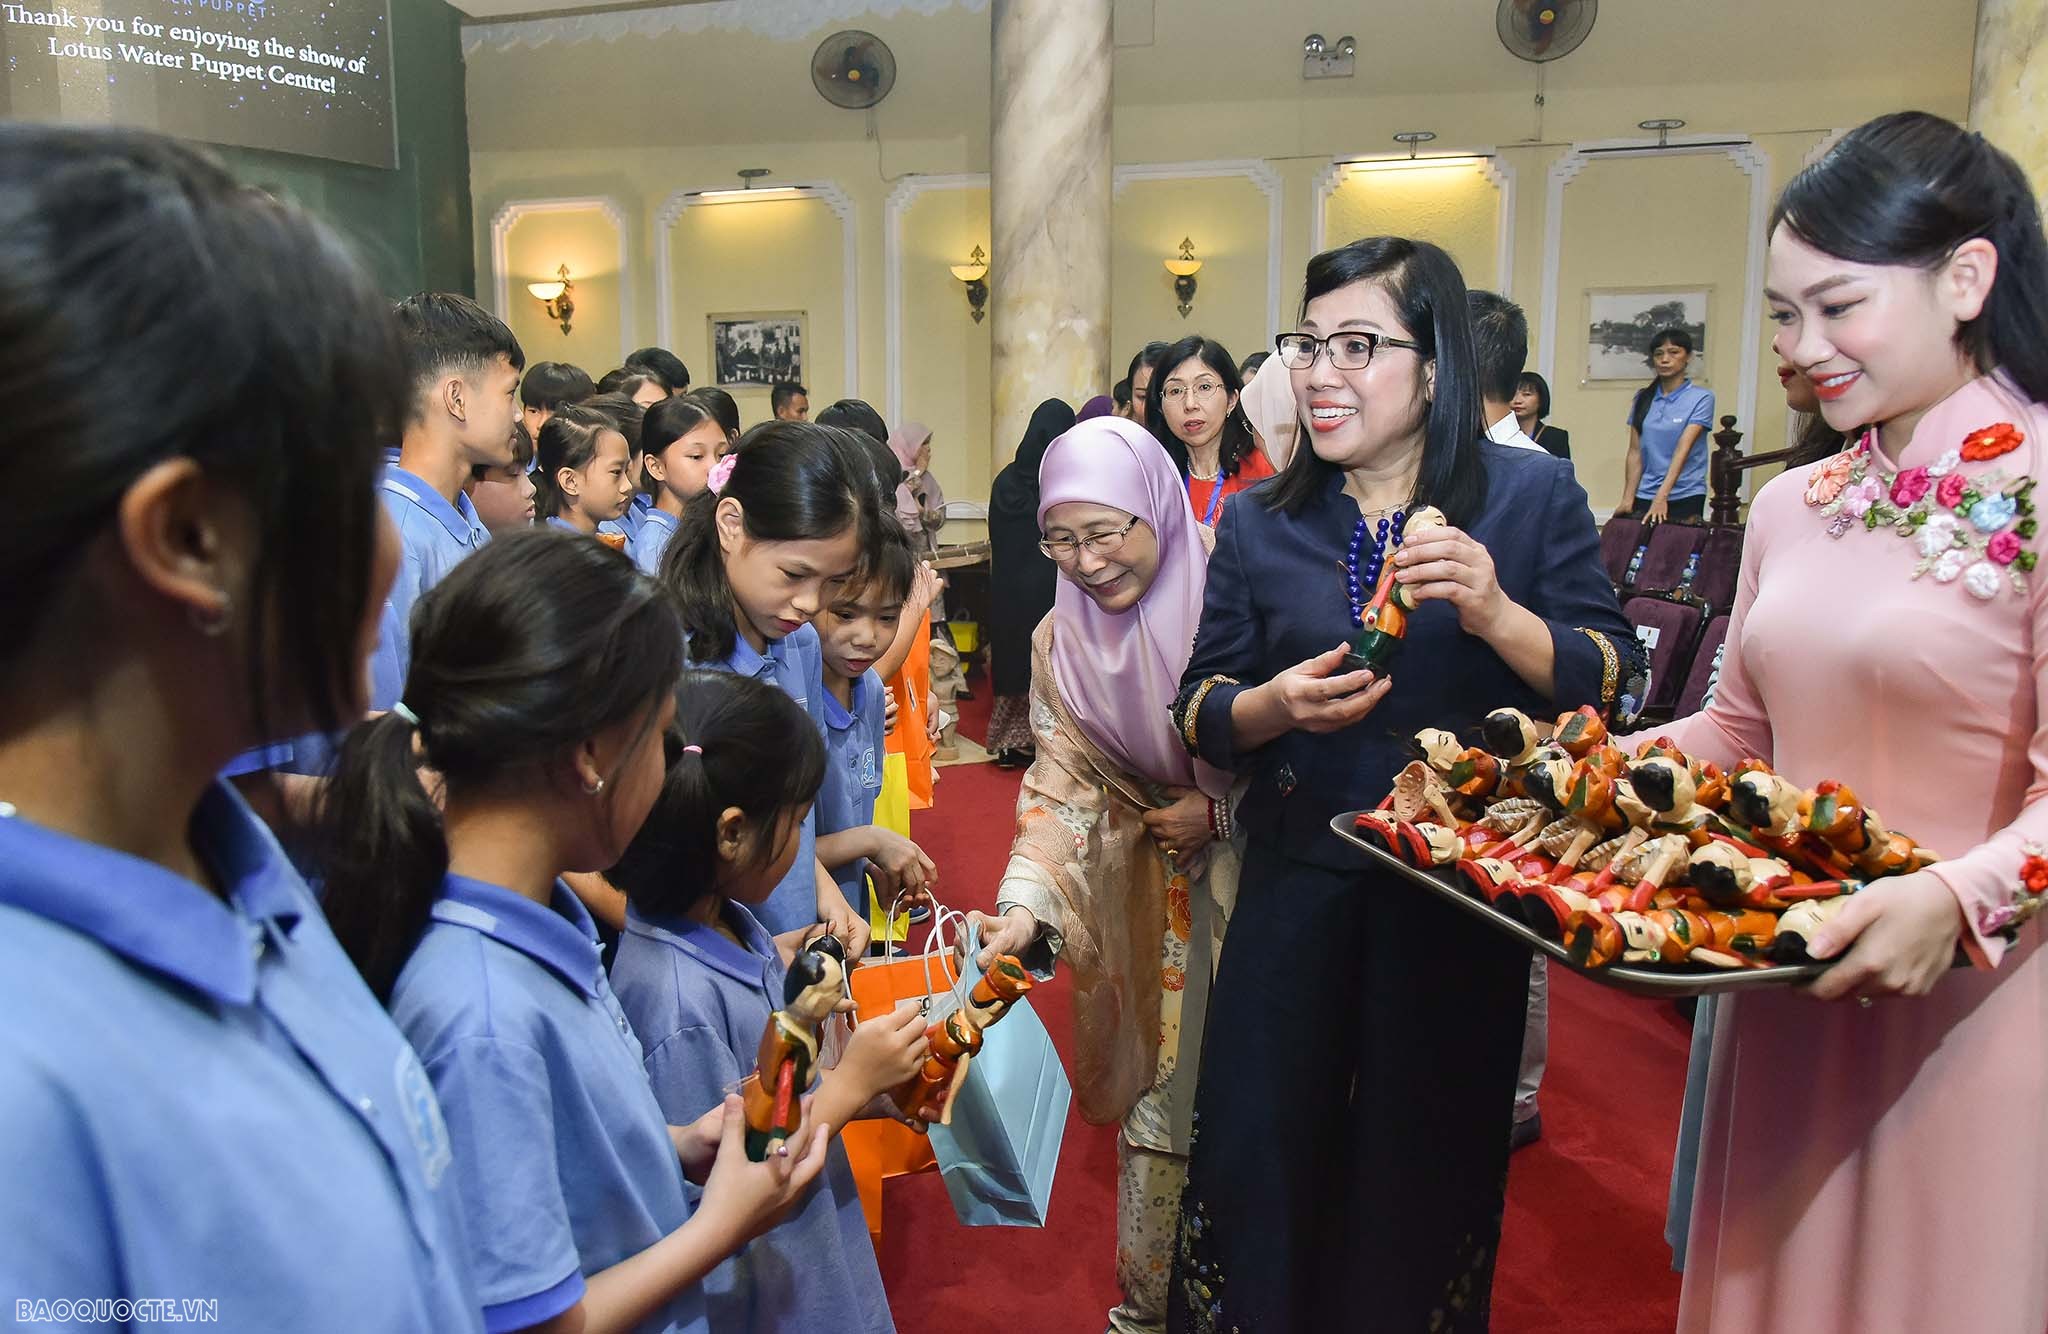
(412, 224)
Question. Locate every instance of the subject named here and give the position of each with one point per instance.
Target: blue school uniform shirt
(854, 752)
(1663, 424)
(796, 663)
(434, 537)
(199, 1098)
(563, 1163)
(699, 1002)
(652, 539)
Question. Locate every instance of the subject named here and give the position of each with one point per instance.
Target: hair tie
(693, 750)
(402, 711)
(721, 472)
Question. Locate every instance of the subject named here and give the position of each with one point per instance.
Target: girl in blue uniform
(582, 480)
(785, 519)
(539, 688)
(683, 443)
(698, 976)
(198, 1097)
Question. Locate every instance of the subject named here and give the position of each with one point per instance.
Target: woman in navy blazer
(1359, 1075)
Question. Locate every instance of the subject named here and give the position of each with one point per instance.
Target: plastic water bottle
(1635, 564)
(1692, 568)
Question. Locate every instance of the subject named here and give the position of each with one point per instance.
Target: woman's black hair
(528, 648)
(1530, 380)
(568, 440)
(795, 482)
(1426, 287)
(855, 414)
(736, 724)
(247, 339)
(629, 380)
(1147, 355)
(1910, 187)
(1639, 408)
(550, 384)
(662, 364)
(1237, 439)
(722, 406)
(1249, 367)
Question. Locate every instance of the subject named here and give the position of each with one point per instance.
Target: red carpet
(1583, 1246)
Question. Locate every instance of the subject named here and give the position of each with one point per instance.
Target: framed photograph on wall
(1621, 321)
(754, 349)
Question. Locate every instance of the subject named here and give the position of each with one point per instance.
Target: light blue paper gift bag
(1009, 1118)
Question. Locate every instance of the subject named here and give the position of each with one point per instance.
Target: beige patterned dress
(1140, 934)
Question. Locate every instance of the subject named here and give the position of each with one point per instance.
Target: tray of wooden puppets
(1646, 871)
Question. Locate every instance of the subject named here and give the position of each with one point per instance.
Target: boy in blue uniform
(853, 631)
(465, 379)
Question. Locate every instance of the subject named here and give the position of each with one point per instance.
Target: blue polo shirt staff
(1665, 423)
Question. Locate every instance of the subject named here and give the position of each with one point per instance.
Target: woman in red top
(1193, 409)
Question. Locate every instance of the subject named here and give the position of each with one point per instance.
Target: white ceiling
(736, 72)
(504, 9)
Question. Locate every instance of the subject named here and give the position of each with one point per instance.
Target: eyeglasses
(1175, 392)
(1348, 351)
(1063, 549)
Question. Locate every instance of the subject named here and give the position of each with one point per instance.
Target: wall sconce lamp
(1184, 270)
(974, 273)
(555, 299)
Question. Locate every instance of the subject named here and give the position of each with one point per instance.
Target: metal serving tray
(1666, 982)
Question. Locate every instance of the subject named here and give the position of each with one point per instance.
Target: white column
(2008, 87)
(1049, 193)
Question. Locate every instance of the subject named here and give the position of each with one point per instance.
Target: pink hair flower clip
(721, 472)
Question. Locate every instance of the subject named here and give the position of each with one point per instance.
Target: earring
(593, 787)
(213, 623)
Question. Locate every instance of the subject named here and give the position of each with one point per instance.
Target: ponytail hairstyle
(726, 727)
(1236, 440)
(531, 646)
(1639, 410)
(569, 440)
(1910, 187)
(796, 482)
(1424, 284)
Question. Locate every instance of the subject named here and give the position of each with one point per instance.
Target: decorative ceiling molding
(778, 20)
(512, 210)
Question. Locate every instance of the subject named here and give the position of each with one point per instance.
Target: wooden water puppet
(788, 1055)
(1383, 624)
(956, 1039)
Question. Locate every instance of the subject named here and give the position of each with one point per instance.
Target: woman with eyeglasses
(1364, 1036)
(1195, 412)
(1122, 865)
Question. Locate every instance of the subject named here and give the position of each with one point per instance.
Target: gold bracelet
(1193, 716)
(1610, 668)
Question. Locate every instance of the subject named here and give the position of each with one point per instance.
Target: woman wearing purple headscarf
(1117, 866)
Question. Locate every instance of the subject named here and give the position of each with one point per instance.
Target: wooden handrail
(1725, 468)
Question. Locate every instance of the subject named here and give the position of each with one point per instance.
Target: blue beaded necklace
(1362, 571)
